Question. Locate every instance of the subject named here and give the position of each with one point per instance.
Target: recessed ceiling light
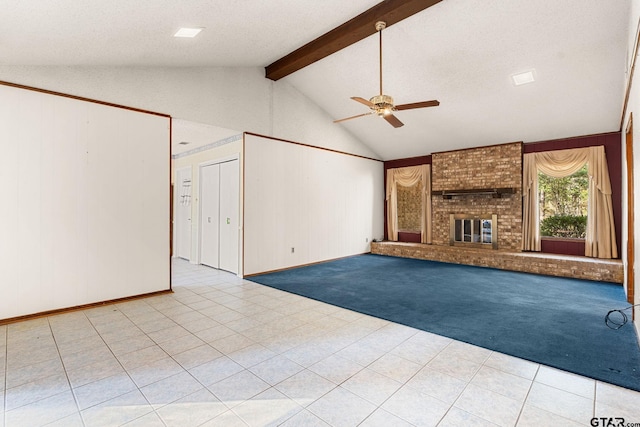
(523, 78)
(187, 32)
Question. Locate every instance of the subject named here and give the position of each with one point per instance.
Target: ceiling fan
(382, 105)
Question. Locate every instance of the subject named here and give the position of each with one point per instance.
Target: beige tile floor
(221, 351)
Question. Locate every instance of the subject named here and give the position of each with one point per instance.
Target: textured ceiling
(461, 52)
(187, 135)
(134, 32)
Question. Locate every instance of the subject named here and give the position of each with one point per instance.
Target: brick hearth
(528, 262)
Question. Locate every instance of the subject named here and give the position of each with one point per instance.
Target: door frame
(630, 213)
(201, 214)
(230, 235)
(204, 164)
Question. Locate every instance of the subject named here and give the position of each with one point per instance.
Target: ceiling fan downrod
(383, 104)
(380, 25)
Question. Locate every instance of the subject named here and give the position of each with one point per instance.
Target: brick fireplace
(478, 182)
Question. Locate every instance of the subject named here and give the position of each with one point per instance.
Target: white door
(209, 215)
(182, 213)
(229, 215)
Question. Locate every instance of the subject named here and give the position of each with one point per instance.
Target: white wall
(84, 202)
(324, 204)
(230, 150)
(233, 98)
(291, 121)
(633, 107)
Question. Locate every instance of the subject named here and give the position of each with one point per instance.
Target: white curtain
(408, 177)
(600, 239)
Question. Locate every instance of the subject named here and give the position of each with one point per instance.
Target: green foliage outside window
(563, 204)
(564, 226)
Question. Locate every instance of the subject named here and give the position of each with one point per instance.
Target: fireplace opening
(473, 230)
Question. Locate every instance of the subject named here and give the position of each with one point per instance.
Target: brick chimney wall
(496, 166)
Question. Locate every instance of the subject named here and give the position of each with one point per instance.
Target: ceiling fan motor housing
(382, 104)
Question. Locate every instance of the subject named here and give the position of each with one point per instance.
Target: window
(600, 236)
(563, 205)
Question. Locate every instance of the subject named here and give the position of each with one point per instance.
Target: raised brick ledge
(603, 270)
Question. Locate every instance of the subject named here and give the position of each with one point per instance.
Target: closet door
(229, 215)
(209, 215)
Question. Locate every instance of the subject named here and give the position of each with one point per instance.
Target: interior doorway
(219, 215)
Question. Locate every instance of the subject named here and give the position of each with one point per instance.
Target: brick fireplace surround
(464, 176)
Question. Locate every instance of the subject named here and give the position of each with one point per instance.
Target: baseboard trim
(80, 307)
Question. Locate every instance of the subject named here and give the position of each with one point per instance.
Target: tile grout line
(66, 375)
(119, 363)
(595, 398)
(187, 371)
(154, 410)
(562, 390)
(468, 383)
(224, 354)
(306, 368)
(410, 378)
(524, 402)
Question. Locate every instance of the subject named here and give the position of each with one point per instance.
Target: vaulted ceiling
(460, 52)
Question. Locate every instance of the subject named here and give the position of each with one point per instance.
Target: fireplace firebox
(479, 231)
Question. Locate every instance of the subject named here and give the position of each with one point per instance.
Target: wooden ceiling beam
(352, 31)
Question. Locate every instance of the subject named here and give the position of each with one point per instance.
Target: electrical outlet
(293, 250)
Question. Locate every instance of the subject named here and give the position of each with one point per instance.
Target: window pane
(467, 230)
(486, 231)
(476, 231)
(563, 204)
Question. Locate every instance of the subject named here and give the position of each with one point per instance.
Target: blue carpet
(554, 321)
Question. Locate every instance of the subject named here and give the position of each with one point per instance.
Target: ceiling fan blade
(352, 117)
(393, 120)
(363, 101)
(423, 104)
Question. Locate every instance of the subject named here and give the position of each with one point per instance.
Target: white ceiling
(461, 52)
(188, 136)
